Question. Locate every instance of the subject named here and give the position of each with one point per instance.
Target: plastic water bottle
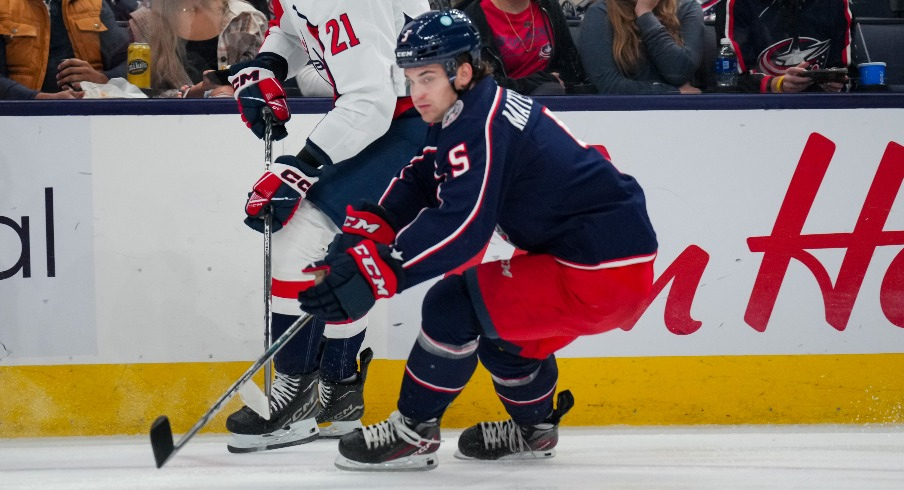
(726, 65)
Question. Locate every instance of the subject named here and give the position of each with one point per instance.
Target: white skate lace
(325, 393)
(386, 431)
(284, 389)
(500, 434)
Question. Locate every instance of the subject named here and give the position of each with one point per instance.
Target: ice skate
(396, 444)
(342, 404)
(508, 441)
(294, 405)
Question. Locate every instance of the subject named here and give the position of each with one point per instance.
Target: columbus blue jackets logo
(546, 51)
(453, 113)
(784, 54)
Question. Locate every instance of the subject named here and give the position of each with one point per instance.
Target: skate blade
(300, 432)
(527, 455)
(422, 462)
(336, 430)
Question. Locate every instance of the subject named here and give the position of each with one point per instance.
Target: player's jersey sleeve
(352, 44)
(469, 182)
(414, 189)
(282, 39)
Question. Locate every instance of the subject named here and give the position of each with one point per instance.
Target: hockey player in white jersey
(351, 155)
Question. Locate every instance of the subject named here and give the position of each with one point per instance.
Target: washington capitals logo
(782, 55)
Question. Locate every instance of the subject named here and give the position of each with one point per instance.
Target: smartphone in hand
(827, 75)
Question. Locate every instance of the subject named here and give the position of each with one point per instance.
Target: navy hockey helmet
(438, 36)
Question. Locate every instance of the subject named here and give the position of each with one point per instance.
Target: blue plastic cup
(872, 73)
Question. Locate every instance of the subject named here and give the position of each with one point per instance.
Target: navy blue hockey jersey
(771, 36)
(500, 159)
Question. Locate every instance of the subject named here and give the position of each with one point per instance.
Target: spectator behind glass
(189, 37)
(777, 40)
(528, 44)
(642, 46)
(122, 9)
(48, 56)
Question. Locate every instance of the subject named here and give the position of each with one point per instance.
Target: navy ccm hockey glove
(354, 281)
(280, 189)
(257, 88)
(365, 220)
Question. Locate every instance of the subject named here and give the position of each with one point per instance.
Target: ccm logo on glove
(259, 92)
(293, 178)
(382, 285)
(244, 77)
(281, 189)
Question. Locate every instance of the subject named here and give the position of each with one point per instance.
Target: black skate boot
(396, 444)
(293, 408)
(508, 441)
(342, 404)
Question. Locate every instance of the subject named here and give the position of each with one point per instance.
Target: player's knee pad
(447, 314)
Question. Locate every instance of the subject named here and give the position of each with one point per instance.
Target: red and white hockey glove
(257, 88)
(365, 220)
(354, 280)
(280, 190)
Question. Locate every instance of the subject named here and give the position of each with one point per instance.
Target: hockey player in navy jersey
(356, 148)
(493, 160)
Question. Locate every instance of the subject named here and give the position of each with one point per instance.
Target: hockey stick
(162, 433)
(268, 277)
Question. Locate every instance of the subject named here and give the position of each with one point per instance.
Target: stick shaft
(268, 264)
(263, 359)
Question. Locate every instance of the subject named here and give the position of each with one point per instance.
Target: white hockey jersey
(352, 45)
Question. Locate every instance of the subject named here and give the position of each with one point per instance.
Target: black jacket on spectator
(565, 59)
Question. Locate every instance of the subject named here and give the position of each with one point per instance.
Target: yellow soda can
(139, 65)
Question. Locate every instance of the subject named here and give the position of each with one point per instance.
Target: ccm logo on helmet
(370, 267)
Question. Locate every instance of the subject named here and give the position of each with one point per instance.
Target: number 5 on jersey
(458, 159)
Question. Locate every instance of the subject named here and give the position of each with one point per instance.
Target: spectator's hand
(222, 91)
(793, 82)
(832, 86)
(687, 88)
(558, 78)
(74, 71)
(195, 91)
(64, 94)
(644, 6)
(217, 89)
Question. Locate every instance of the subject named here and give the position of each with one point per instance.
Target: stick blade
(161, 440)
(255, 399)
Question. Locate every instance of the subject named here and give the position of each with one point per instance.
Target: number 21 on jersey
(338, 41)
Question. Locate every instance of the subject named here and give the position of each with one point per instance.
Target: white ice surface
(724, 457)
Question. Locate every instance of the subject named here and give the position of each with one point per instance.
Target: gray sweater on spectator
(665, 65)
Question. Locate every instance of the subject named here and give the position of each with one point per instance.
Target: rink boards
(130, 288)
